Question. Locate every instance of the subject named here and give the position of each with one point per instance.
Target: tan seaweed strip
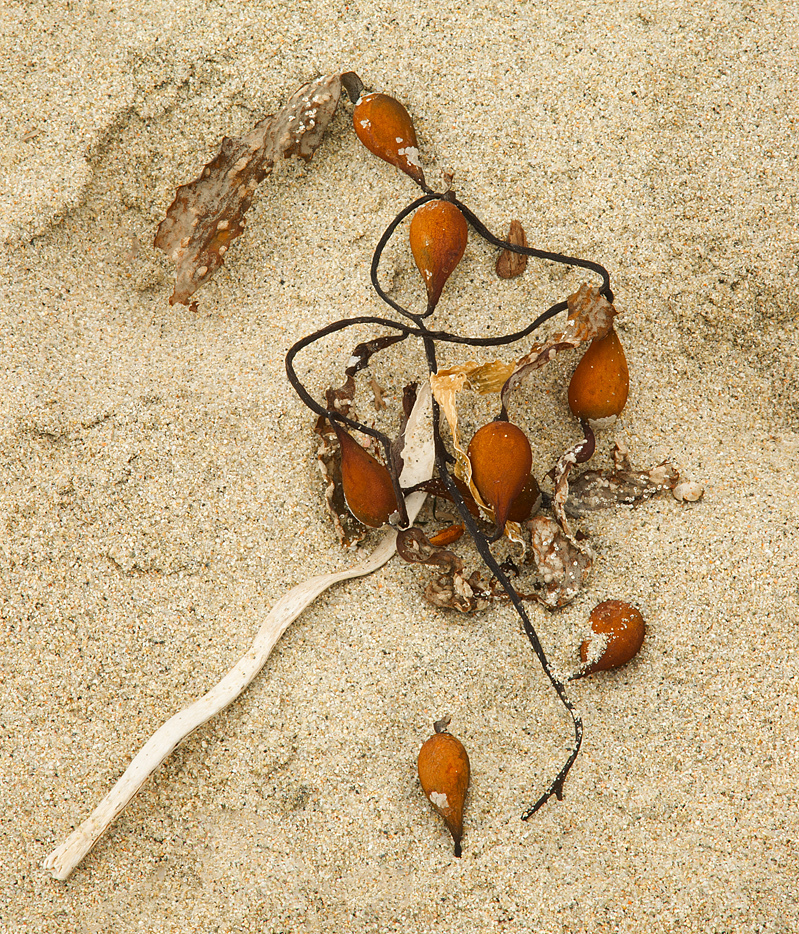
(418, 455)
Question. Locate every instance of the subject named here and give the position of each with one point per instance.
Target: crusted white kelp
(418, 456)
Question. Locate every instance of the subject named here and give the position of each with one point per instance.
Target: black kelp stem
(309, 339)
(498, 341)
(561, 258)
(429, 337)
(406, 330)
(482, 545)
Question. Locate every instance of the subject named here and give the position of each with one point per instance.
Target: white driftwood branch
(418, 457)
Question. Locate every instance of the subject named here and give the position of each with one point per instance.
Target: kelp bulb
(366, 483)
(444, 773)
(384, 126)
(501, 459)
(600, 384)
(617, 633)
(438, 235)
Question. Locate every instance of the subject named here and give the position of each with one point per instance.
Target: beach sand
(159, 487)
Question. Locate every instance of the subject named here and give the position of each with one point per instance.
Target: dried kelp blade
(562, 564)
(482, 378)
(590, 315)
(208, 213)
(451, 590)
(446, 384)
(576, 454)
(601, 489)
(457, 592)
(417, 437)
(509, 264)
(363, 352)
(348, 529)
(413, 546)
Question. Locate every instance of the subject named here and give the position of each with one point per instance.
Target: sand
(159, 488)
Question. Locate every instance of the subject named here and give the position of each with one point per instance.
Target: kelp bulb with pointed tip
(444, 773)
(599, 386)
(501, 459)
(438, 235)
(617, 633)
(366, 483)
(383, 125)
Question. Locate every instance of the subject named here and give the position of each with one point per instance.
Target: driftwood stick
(65, 857)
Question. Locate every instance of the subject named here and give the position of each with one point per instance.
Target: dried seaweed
(377, 394)
(204, 219)
(561, 555)
(576, 454)
(511, 264)
(208, 213)
(448, 535)
(363, 352)
(600, 489)
(348, 529)
(452, 589)
(456, 592)
(561, 562)
(446, 384)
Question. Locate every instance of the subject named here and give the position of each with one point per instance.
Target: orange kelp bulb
(599, 386)
(617, 633)
(438, 235)
(383, 125)
(367, 484)
(501, 458)
(444, 772)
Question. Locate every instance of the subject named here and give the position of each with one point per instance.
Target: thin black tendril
(442, 458)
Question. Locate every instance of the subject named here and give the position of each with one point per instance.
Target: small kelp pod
(600, 384)
(444, 773)
(438, 236)
(617, 633)
(366, 483)
(384, 126)
(501, 459)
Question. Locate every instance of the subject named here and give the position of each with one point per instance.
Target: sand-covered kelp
(376, 479)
